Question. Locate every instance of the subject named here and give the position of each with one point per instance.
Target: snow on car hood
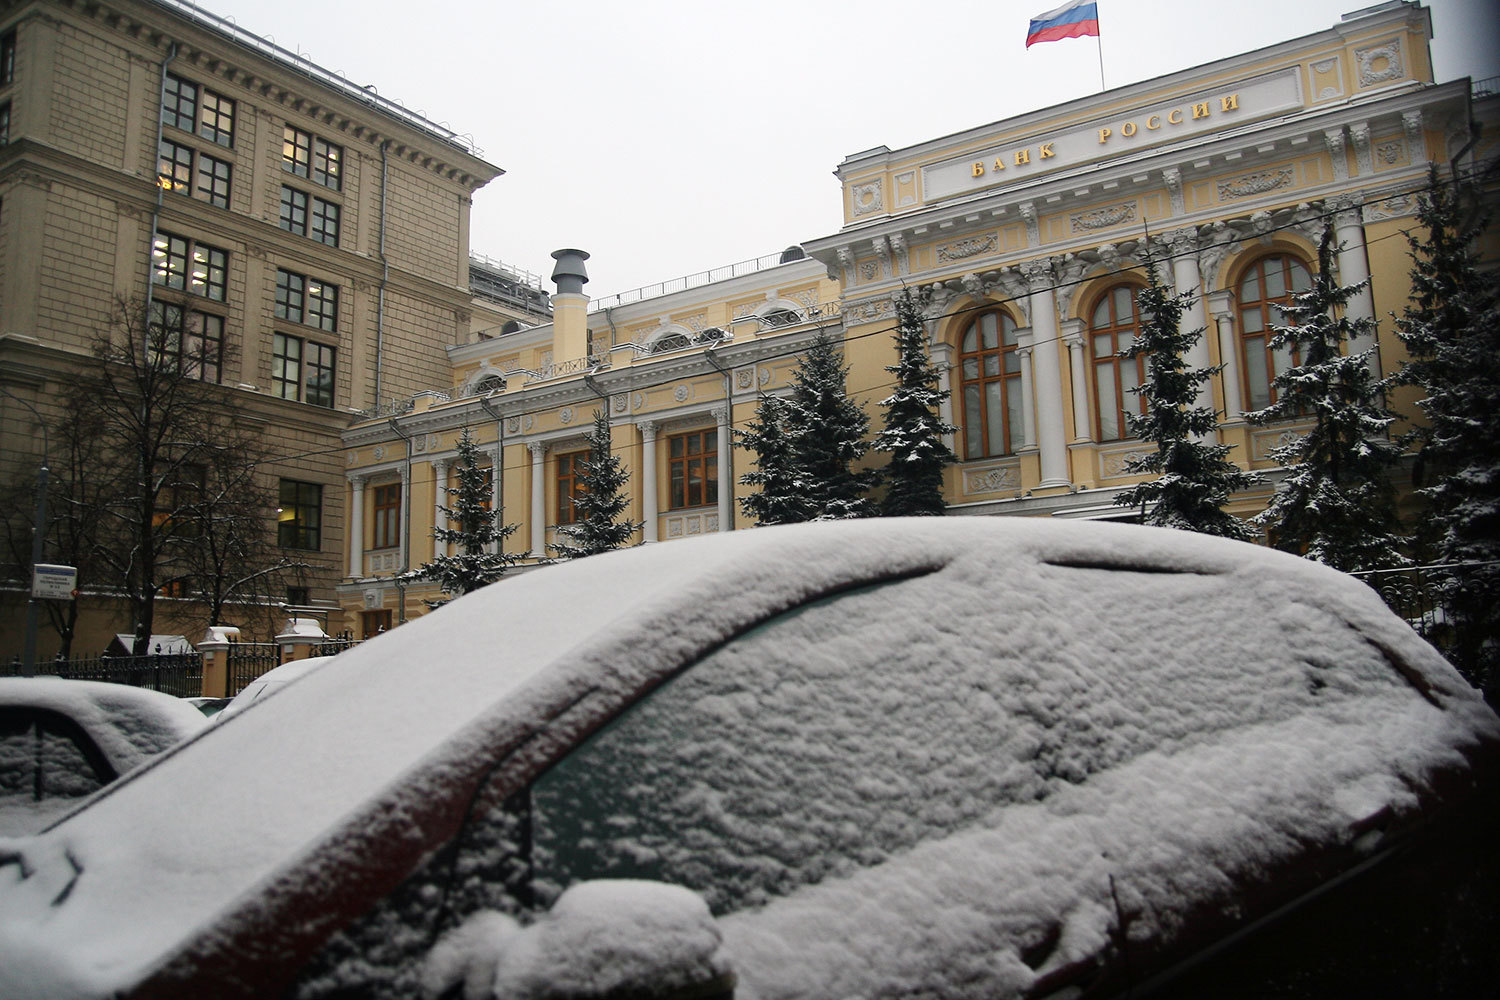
(300, 789)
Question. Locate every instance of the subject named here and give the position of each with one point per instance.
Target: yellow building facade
(1031, 235)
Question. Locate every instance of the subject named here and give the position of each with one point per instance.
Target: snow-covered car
(955, 757)
(269, 683)
(62, 740)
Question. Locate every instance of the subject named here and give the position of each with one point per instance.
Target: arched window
(1112, 327)
(990, 378)
(490, 383)
(1268, 284)
(777, 318)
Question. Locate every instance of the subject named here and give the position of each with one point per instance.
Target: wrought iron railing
(176, 674)
(682, 284)
(247, 661)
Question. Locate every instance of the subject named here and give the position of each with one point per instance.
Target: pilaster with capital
(1028, 390)
(726, 467)
(497, 469)
(404, 551)
(1072, 334)
(1051, 440)
(439, 495)
(538, 498)
(357, 527)
(650, 506)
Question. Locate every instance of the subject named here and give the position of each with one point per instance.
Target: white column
(497, 469)
(1221, 304)
(942, 360)
(403, 553)
(538, 500)
(1083, 427)
(439, 499)
(726, 468)
(357, 528)
(1028, 390)
(649, 505)
(1187, 279)
(1354, 268)
(1048, 374)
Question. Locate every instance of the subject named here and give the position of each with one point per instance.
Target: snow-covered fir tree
(1336, 504)
(1194, 478)
(827, 433)
(599, 500)
(1451, 328)
(781, 498)
(914, 427)
(474, 531)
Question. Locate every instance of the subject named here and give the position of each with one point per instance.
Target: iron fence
(335, 644)
(176, 674)
(247, 661)
(1416, 594)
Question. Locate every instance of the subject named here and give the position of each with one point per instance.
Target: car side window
(45, 757)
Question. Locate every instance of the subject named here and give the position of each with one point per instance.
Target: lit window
(327, 164)
(286, 366)
(296, 151)
(175, 167)
(569, 484)
(693, 469)
(186, 265)
(990, 370)
(299, 521)
(387, 521)
(300, 299)
(196, 109)
(1269, 284)
(322, 305)
(1111, 330)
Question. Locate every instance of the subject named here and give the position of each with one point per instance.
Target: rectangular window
(174, 168)
(286, 366)
(693, 469)
(296, 151)
(216, 119)
(303, 369)
(569, 484)
(180, 263)
(179, 103)
(289, 295)
(325, 222)
(4, 123)
(372, 623)
(328, 164)
(7, 58)
(213, 180)
(322, 305)
(299, 519)
(318, 371)
(293, 210)
(190, 339)
(387, 521)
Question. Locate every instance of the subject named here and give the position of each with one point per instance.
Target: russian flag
(1074, 19)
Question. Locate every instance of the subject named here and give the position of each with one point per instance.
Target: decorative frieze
(974, 246)
(993, 479)
(1103, 218)
(1113, 464)
(1251, 185)
(1391, 153)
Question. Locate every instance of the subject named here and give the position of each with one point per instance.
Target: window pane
(1014, 416)
(1251, 320)
(1109, 402)
(325, 222)
(973, 423)
(296, 151)
(1275, 278)
(1250, 286)
(179, 103)
(995, 410)
(289, 296)
(213, 180)
(1124, 311)
(989, 331)
(1301, 277)
(293, 211)
(175, 167)
(1257, 381)
(217, 121)
(327, 164)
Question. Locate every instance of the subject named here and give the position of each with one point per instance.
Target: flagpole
(1099, 46)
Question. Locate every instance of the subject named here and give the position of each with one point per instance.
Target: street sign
(54, 582)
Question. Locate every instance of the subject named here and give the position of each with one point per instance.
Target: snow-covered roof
(367, 761)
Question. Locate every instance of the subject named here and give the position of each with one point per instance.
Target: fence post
(215, 650)
(300, 638)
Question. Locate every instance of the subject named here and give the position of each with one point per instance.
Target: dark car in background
(957, 758)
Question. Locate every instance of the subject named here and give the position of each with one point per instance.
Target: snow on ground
(1184, 729)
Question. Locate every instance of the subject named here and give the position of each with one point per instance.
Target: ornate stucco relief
(1253, 184)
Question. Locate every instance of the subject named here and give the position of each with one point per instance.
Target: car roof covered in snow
(340, 784)
(129, 724)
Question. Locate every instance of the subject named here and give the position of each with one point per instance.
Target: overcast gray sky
(668, 137)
